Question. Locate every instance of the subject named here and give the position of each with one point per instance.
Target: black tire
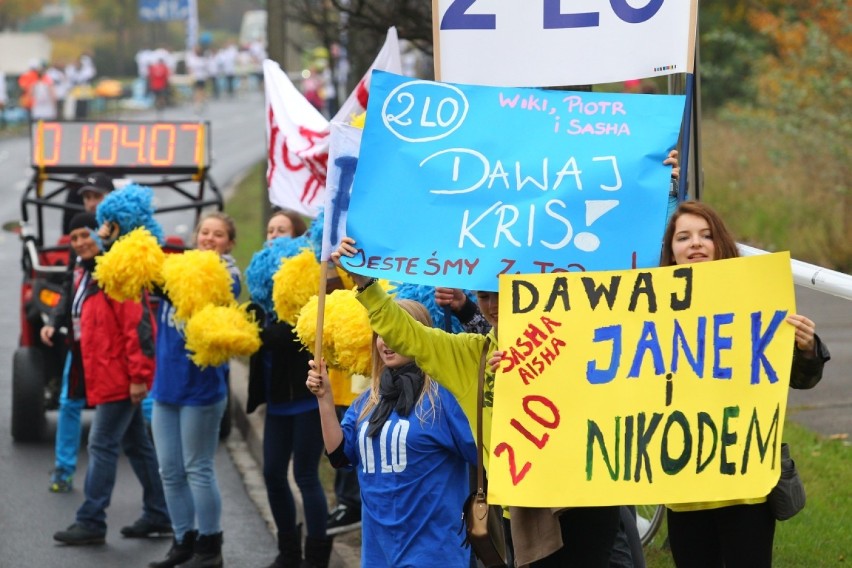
(28, 411)
(649, 519)
(227, 419)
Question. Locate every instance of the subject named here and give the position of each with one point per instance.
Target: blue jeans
(299, 435)
(186, 438)
(120, 424)
(68, 425)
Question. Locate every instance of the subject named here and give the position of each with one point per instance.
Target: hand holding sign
(347, 249)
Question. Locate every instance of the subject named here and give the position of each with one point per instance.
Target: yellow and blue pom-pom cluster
(133, 263)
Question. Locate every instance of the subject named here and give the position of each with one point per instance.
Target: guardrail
(812, 276)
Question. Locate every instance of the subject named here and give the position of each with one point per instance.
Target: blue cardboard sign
(457, 184)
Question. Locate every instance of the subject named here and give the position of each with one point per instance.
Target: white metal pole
(812, 276)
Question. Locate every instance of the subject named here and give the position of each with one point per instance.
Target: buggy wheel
(649, 518)
(28, 418)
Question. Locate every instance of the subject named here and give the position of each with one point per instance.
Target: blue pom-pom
(265, 263)
(314, 234)
(426, 296)
(130, 207)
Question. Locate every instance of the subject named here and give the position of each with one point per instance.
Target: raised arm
(332, 433)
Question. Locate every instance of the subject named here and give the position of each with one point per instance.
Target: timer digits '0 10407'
(120, 145)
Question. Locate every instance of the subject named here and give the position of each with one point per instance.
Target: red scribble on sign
(315, 163)
(550, 422)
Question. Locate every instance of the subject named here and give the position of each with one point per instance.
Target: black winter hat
(84, 219)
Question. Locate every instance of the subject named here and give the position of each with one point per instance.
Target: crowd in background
(60, 90)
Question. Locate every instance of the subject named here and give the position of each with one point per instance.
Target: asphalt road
(827, 408)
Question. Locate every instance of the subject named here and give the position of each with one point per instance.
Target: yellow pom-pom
(214, 334)
(195, 279)
(347, 281)
(135, 262)
(294, 284)
(348, 324)
(347, 336)
(306, 326)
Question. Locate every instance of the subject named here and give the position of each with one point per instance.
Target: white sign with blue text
(555, 42)
(457, 184)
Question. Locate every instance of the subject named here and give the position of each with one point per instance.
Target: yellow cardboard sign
(666, 385)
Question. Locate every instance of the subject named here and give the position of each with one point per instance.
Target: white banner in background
(298, 134)
(547, 43)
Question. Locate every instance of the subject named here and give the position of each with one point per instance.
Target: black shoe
(143, 528)
(343, 519)
(179, 553)
(207, 552)
(77, 534)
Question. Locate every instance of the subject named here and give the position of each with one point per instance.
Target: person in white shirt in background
(258, 53)
(196, 66)
(214, 68)
(144, 59)
(80, 77)
(86, 72)
(43, 96)
(61, 88)
(227, 58)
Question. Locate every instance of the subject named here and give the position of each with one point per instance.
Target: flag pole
(323, 286)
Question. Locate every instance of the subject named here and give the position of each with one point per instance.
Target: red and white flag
(298, 134)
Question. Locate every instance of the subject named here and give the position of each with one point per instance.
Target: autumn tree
(803, 87)
(14, 12)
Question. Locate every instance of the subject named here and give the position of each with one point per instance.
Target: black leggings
(588, 534)
(739, 536)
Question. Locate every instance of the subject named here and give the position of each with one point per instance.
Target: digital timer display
(153, 146)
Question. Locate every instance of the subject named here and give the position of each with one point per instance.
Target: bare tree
(412, 18)
(361, 26)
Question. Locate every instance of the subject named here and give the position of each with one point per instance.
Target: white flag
(298, 134)
(342, 159)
